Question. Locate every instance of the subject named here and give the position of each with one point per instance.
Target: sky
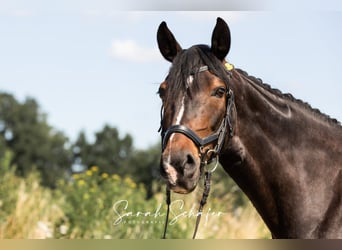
(88, 63)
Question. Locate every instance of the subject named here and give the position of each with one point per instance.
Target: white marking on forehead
(181, 112)
(189, 80)
(178, 121)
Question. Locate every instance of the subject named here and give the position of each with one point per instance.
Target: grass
(220, 220)
(34, 213)
(87, 205)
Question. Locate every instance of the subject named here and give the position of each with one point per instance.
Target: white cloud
(22, 13)
(129, 50)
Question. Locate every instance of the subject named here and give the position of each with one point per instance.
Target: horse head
(197, 105)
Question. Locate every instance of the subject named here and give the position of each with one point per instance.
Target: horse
(285, 155)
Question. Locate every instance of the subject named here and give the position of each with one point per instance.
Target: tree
(35, 144)
(110, 152)
(81, 153)
(2, 146)
(144, 167)
(115, 154)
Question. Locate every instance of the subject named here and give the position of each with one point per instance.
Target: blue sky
(89, 64)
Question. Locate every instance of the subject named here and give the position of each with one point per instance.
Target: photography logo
(125, 214)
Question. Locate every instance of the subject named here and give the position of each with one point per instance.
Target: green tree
(81, 150)
(115, 155)
(35, 144)
(2, 146)
(110, 152)
(144, 168)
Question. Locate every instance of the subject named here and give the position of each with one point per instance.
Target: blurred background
(79, 113)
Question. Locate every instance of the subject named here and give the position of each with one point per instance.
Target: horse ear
(167, 43)
(220, 40)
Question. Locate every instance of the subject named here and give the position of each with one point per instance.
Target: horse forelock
(186, 65)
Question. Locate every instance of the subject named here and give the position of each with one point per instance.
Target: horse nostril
(190, 160)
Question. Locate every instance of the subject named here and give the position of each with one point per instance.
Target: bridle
(206, 155)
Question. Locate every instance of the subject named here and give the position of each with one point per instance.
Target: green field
(92, 205)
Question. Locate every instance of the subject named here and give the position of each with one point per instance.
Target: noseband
(218, 136)
(201, 143)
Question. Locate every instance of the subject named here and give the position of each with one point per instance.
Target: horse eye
(219, 92)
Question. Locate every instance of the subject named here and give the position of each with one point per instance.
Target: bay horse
(283, 154)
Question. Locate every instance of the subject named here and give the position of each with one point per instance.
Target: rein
(213, 154)
(203, 201)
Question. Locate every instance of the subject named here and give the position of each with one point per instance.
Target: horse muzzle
(180, 165)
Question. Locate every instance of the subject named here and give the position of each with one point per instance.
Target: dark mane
(187, 63)
(290, 97)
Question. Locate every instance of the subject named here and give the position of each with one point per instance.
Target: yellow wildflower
(89, 173)
(81, 183)
(86, 196)
(133, 185)
(116, 177)
(94, 168)
(75, 176)
(104, 175)
(130, 182)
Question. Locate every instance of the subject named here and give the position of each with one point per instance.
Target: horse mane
(188, 61)
(289, 97)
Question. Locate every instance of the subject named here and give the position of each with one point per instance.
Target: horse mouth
(177, 182)
(181, 184)
(180, 189)
(180, 175)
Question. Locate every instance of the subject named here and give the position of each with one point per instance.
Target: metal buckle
(215, 166)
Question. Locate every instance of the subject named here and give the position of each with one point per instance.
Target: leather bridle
(206, 155)
(218, 136)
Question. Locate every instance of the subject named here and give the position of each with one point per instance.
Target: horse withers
(285, 156)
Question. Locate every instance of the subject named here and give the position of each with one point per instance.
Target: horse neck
(272, 156)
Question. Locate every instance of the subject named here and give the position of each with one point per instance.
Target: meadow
(94, 205)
